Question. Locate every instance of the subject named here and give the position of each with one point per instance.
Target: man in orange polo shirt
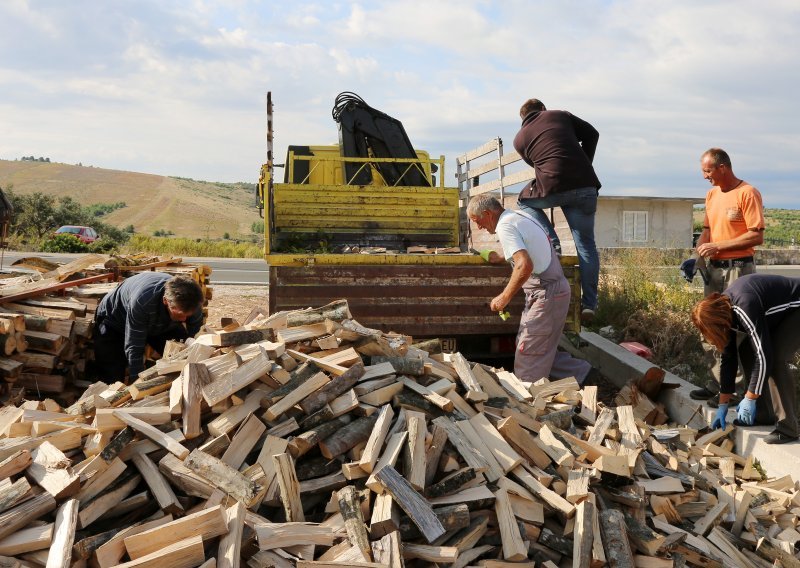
(732, 228)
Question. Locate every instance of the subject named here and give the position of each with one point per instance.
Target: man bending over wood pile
(537, 271)
(146, 309)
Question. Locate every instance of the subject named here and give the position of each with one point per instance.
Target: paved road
(252, 272)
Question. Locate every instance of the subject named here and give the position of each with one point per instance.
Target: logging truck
(371, 220)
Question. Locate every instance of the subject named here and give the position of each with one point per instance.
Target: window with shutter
(634, 226)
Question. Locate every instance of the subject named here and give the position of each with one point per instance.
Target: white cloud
(180, 88)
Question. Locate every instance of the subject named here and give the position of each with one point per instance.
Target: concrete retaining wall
(620, 366)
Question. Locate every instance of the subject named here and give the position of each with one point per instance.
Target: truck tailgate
(417, 300)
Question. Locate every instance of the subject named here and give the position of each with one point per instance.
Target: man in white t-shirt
(537, 271)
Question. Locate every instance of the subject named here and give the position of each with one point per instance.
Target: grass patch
(193, 247)
(643, 303)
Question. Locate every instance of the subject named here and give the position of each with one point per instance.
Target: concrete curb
(620, 366)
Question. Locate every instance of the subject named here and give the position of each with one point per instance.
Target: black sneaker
(776, 437)
(701, 394)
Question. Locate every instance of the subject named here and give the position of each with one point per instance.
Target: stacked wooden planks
(305, 439)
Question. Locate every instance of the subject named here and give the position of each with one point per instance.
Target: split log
(290, 488)
(402, 365)
(230, 545)
(347, 437)
(474, 391)
(60, 553)
(333, 389)
(615, 538)
(167, 500)
(350, 509)
(223, 476)
(335, 311)
(415, 506)
(584, 536)
(154, 434)
(301, 444)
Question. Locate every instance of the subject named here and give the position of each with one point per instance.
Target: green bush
(64, 243)
(104, 246)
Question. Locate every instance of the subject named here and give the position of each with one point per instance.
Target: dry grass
(188, 208)
(644, 304)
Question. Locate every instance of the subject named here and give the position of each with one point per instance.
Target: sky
(178, 87)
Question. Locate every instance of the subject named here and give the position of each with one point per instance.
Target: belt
(732, 262)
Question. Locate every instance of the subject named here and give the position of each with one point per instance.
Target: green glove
(485, 253)
(504, 315)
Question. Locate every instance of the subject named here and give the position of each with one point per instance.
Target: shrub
(646, 304)
(104, 246)
(64, 243)
(192, 247)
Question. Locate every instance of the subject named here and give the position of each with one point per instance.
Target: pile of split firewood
(47, 315)
(304, 439)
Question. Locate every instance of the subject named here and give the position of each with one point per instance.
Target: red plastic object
(637, 349)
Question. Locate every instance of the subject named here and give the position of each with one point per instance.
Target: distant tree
(129, 229)
(34, 214)
(226, 236)
(257, 227)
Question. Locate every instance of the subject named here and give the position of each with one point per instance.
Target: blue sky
(179, 87)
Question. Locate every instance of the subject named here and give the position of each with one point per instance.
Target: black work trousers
(778, 404)
(110, 361)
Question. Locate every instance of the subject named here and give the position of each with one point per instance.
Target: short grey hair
(483, 202)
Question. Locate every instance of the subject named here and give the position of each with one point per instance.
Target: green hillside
(187, 208)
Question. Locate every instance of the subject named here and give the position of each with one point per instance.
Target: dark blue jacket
(759, 302)
(136, 309)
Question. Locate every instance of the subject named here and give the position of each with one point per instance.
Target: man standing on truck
(537, 271)
(733, 226)
(560, 147)
(146, 309)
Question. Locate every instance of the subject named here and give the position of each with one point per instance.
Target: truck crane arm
(365, 132)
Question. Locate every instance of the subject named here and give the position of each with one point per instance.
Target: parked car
(85, 234)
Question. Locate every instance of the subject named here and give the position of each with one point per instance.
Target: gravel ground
(235, 302)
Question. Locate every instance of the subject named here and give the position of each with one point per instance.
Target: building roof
(693, 200)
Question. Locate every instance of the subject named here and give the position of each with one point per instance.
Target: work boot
(705, 392)
(587, 316)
